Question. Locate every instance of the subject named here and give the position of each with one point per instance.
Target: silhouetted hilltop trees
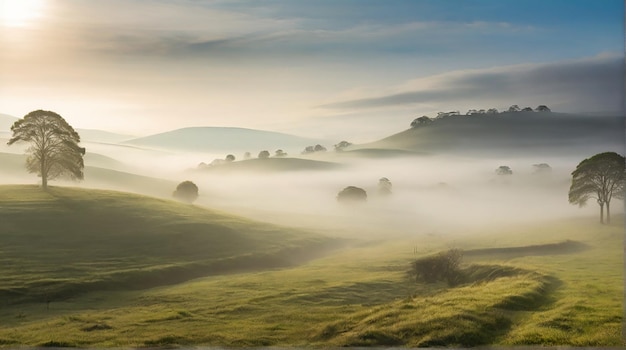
(425, 120)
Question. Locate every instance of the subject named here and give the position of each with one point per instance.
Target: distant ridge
(225, 139)
(554, 133)
(273, 165)
(93, 135)
(6, 121)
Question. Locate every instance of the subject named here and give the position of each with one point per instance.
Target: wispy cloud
(583, 85)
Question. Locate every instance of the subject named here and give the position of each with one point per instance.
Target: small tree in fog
(542, 168)
(247, 155)
(542, 108)
(527, 109)
(186, 191)
(504, 170)
(280, 153)
(514, 108)
(384, 186)
(600, 177)
(492, 111)
(423, 120)
(352, 194)
(230, 158)
(319, 148)
(264, 154)
(342, 146)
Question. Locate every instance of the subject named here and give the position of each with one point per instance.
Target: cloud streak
(579, 85)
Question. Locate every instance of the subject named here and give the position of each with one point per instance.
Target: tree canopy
(352, 194)
(600, 177)
(504, 170)
(186, 191)
(342, 146)
(384, 186)
(54, 150)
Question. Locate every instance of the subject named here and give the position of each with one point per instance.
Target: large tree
(54, 150)
(600, 177)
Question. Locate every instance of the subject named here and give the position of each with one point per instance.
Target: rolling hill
(67, 241)
(93, 135)
(6, 121)
(548, 133)
(273, 165)
(203, 139)
(100, 172)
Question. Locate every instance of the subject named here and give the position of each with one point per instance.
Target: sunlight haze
(142, 67)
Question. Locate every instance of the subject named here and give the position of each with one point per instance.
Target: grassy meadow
(133, 271)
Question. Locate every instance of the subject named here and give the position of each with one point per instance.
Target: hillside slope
(203, 139)
(273, 165)
(65, 241)
(94, 135)
(519, 132)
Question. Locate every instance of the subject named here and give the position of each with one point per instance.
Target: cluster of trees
(313, 149)
(541, 168)
(231, 158)
(425, 120)
(600, 177)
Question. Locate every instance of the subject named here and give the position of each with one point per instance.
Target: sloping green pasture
(62, 242)
(525, 292)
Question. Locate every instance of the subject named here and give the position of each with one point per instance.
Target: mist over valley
(298, 174)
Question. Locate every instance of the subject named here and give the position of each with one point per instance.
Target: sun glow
(19, 13)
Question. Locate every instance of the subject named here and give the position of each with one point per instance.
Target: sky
(357, 70)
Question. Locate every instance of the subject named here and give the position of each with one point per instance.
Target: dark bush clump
(443, 266)
(352, 194)
(186, 191)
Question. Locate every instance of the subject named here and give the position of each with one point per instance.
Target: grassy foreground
(63, 242)
(356, 297)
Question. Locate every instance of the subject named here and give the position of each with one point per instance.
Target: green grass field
(360, 295)
(63, 242)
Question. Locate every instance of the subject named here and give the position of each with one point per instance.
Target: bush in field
(504, 170)
(352, 194)
(384, 186)
(186, 191)
(443, 266)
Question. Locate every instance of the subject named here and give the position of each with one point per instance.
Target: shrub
(352, 194)
(443, 266)
(186, 191)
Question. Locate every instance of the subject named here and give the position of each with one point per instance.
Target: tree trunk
(608, 213)
(602, 213)
(44, 175)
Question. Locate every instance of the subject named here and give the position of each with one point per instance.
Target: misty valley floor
(361, 296)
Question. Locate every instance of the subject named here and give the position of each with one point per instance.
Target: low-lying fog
(430, 194)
